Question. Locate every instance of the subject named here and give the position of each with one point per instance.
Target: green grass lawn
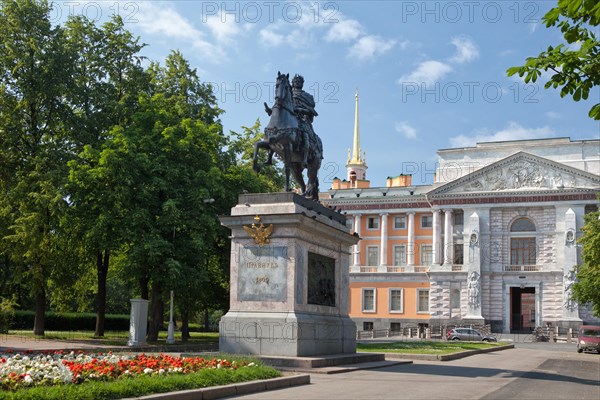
(117, 338)
(423, 347)
(142, 385)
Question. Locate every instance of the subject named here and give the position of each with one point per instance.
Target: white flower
(28, 380)
(148, 371)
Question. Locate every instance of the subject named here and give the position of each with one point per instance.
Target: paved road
(545, 371)
(542, 372)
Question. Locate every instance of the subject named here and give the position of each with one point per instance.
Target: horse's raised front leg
(269, 158)
(259, 145)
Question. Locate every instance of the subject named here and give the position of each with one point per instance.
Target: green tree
(586, 288)
(34, 74)
(175, 146)
(107, 82)
(576, 66)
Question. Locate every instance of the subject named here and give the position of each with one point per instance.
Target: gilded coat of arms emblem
(259, 232)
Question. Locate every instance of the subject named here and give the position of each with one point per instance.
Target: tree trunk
(156, 317)
(144, 288)
(40, 312)
(185, 327)
(206, 320)
(102, 272)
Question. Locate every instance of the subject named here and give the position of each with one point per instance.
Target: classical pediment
(521, 172)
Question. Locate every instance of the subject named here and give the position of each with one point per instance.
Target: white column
(437, 237)
(410, 248)
(384, 238)
(356, 247)
(448, 238)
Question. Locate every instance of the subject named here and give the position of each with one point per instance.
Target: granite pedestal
(289, 278)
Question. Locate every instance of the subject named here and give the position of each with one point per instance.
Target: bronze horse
(282, 137)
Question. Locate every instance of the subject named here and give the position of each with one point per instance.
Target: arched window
(522, 242)
(522, 225)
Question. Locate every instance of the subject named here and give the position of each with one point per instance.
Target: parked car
(588, 338)
(469, 334)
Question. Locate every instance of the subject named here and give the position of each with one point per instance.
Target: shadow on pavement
(477, 372)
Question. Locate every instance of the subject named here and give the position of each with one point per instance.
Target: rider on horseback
(304, 108)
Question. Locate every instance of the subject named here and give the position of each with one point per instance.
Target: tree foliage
(586, 290)
(575, 66)
(109, 167)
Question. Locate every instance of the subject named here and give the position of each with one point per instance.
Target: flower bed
(57, 368)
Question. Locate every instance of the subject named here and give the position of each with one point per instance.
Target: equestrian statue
(290, 135)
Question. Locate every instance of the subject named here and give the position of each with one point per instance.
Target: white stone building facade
(493, 239)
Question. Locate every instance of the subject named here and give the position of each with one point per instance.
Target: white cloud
(224, 32)
(466, 49)
(513, 131)
(270, 38)
(552, 115)
(166, 22)
(406, 130)
(427, 72)
(344, 31)
(370, 46)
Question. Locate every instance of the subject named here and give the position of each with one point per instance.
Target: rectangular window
(400, 255)
(350, 223)
(367, 326)
(458, 254)
(426, 221)
(400, 222)
(522, 251)
(422, 300)
(372, 256)
(368, 300)
(459, 218)
(395, 326)
(373, 223)
(426, 254)
(396, 303)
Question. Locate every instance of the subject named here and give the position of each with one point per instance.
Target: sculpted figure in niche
(569, 280)
(473, 289)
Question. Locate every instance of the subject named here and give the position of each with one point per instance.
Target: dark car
(469, 334)
(588, 338)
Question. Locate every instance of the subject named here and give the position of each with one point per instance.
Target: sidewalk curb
(236, 389)
(447, 357)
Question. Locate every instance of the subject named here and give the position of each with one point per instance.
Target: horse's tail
(318, 150)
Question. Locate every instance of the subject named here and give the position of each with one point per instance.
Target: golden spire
(356, 150)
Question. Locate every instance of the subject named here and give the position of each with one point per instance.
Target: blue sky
(431, 74)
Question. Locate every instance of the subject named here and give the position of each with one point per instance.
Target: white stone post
(171, 330)
(138, 322)
(410, 248)
(384, 237)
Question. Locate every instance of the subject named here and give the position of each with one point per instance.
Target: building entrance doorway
(522, 309)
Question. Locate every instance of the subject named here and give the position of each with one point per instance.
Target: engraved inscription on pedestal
(321, 280)
(262, 273)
